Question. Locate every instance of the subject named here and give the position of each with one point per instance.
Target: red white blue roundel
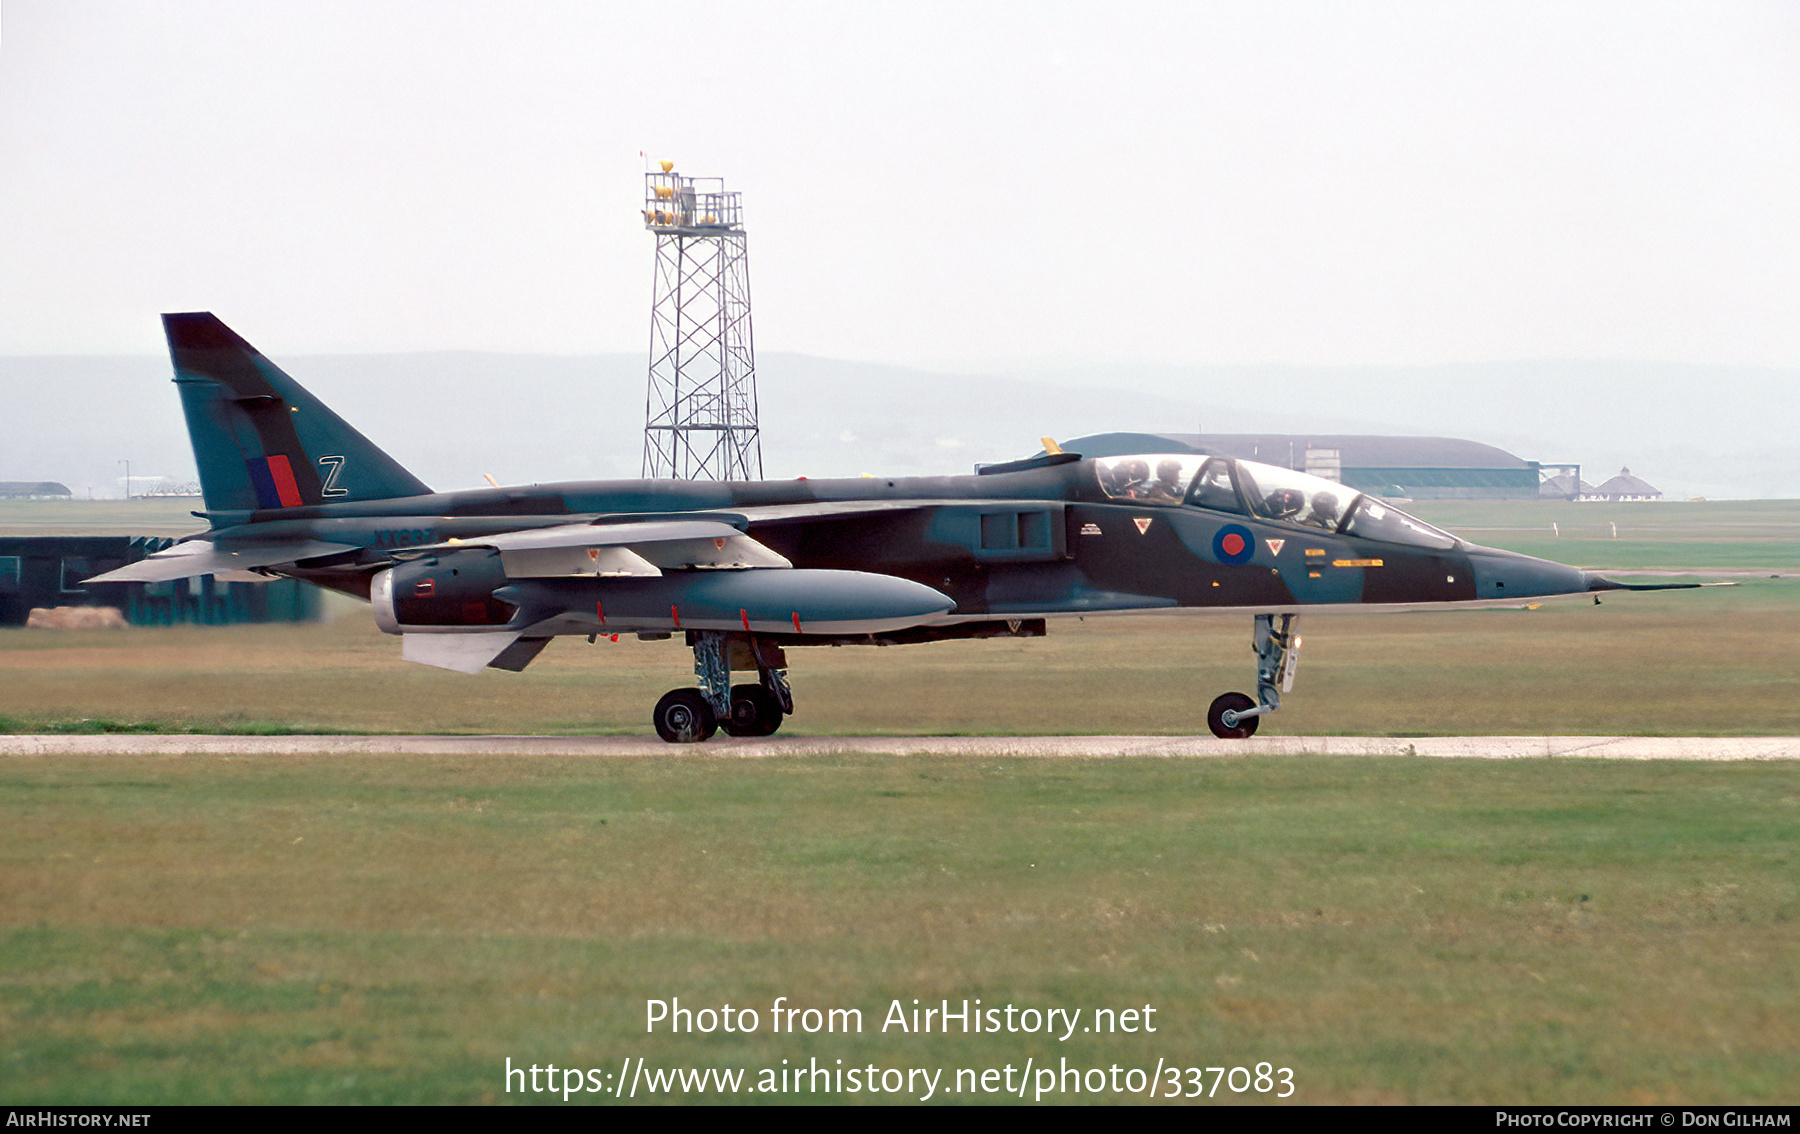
(1233, 545)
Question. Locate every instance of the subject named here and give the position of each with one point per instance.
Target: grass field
(1716, 662)
(198, 929)
(1757, 536)
(145, 516)
(388, 929)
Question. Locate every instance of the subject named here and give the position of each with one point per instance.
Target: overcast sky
(957, 184)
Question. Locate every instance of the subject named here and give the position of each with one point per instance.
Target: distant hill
(451, 417)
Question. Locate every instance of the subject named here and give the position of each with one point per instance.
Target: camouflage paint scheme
(485, 578)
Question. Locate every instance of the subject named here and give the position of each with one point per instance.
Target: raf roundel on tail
(746, 570)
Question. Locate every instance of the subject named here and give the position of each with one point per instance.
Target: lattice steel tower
(700, 416)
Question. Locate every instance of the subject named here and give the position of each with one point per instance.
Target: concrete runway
(1477, 747)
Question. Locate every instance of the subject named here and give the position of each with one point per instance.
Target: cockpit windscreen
(1268, 492)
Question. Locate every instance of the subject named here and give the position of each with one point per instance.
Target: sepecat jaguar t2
(747, 570)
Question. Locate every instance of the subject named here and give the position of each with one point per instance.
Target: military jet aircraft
(485, 578)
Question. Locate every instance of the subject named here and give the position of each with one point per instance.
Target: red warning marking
(745, 615)
(601, 611)
(1233, 543)
(675, 613)
(283, 475)
(796, 622)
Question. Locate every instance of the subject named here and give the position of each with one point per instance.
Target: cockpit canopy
(1266, 492)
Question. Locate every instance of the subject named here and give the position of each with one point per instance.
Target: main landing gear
(688, 716)
(1234, 716)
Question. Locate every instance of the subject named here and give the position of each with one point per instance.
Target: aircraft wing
(203, 557)
(617, 549)
(826, 509)
(831, 509)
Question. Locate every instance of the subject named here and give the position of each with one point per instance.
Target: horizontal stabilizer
(203, 557)
(520, 654)
(464, 653)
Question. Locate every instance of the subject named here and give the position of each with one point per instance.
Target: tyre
(684, 717)
(1237, 703)
(754, 712)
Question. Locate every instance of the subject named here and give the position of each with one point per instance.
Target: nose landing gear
(1233, 716)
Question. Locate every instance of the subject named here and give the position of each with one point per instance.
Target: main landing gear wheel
(754, 712)
(684, 717)
(1236, 703)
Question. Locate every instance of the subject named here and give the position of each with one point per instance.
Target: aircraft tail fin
(260, 439)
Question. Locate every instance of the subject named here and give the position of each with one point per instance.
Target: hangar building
(1627, 487)
(47, 571)
(33, 490)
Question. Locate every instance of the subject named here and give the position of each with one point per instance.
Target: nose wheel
(1233, 716)
(1224, 717)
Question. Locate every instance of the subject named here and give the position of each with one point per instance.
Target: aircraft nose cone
(1507, 574)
